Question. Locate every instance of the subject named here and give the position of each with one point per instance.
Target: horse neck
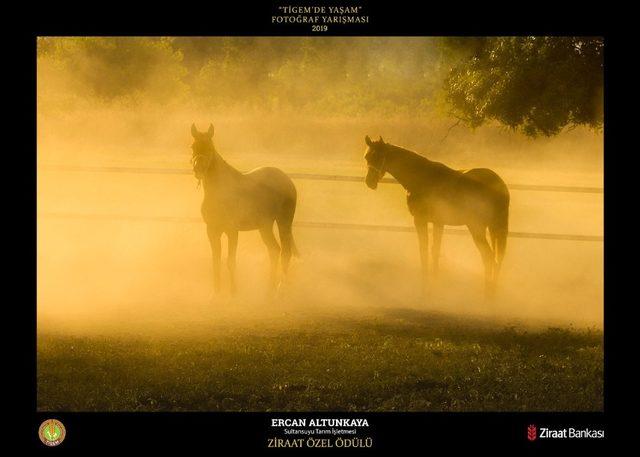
(219, 175)
(407, 167)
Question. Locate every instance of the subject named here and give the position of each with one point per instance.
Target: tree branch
(451, 128)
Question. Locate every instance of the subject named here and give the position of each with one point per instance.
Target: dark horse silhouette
(477, 198)
(236, 201)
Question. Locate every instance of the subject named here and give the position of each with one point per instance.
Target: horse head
(375, 156)
(203, 150)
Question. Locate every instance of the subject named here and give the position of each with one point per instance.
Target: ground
(391, 360)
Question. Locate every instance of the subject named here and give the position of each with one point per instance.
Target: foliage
(323, 76)
(536, 84)
(108, 68)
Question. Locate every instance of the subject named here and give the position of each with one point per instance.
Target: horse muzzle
(200, 165)
(372, 178)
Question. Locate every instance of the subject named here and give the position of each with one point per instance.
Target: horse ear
(194, 131)
(368, 140)
(210, 131)
(381, 140)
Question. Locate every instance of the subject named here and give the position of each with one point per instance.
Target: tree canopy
(538, 85)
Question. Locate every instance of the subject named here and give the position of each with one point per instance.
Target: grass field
(390, 360)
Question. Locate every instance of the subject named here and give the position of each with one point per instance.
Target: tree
(537, 85)
(111, 68)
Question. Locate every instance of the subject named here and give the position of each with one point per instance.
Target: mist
(127, 253)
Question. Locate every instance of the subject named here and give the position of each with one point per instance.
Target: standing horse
(477, 198)
(236, 201)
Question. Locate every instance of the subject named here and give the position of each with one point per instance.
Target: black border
(215, 432)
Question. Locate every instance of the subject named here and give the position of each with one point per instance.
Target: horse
(437, 194)
(235, 201)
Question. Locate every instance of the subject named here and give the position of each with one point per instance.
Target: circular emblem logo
(52, 432)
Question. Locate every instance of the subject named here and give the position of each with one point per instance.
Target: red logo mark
(532, 432)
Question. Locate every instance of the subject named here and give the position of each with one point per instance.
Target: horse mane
(418, 158)
(415, 172)
(407, 153)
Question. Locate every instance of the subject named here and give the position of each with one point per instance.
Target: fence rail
(309, 176)
(304, 224)
(312, 225)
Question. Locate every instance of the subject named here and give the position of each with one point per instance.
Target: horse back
(272, 178)
(461, 197)
(488, 180)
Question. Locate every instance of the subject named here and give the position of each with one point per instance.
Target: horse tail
(499, 230)
(285, 224)
(294, 248)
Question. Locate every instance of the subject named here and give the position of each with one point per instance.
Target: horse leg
(480, 239)
(422, 227)
(214, 239)
(274, 252)
(437, 241)
(232, 238)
